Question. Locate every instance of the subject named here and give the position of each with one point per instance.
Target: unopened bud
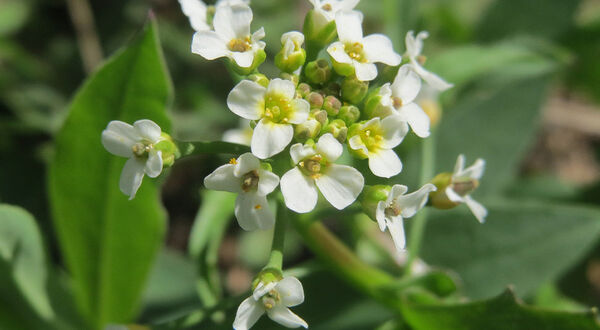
(338, 129)
(320, 116)
(260, 79)
(259, 58)
(291, 77)
(303, 89)
(292, 55)
(371, 196)
(349, 114)
(332, 105)
(332, 88)
(318, 30)
(354, 90)
(309, 129)
(315, 100)
(318, 72)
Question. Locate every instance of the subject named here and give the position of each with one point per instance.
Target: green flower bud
(332, 88)
(373, 107)
(332, 105)
(291, 56)
(291, 77)
(354, 90)
(438, 198)
(260, 79)
(349, 114)
(259, 58)
(168, 148)
(315, 100)
(371, 196)
(318, 72)
(338, 129)
(320, 116)
(310, 129)
(303, 90)
(318, 31)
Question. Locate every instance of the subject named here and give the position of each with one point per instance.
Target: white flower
(252, 183)
(399, 97)
(414, 46)
(272, 298)
(326, 9)
(339, 184)
(276, 109)
(240, 135)
(361, 53)
(231, 37)
(375, 140)
(391, 212)
(464, 181)
(197, 11)
(291, 42)
(137, 143)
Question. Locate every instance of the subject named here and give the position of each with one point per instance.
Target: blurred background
(527, 99)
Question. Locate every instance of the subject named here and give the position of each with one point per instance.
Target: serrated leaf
(109, 243)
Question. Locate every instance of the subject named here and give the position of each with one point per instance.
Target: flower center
(271, 299)
(250, 181)
(372, 137)
(278, 108)
(240, 45)
(464, 187)
(397, 102)
(327, 7)
(392, 211)
(312, 166)
(141, 149)
(356, 51)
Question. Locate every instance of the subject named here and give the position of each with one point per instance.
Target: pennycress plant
(306, 129)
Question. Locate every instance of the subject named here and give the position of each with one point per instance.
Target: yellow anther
(327, 7)
(233, 161)
(397, 102)
(239, 45)
(257, 207)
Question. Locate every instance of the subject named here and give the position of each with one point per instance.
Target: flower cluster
(307, 128)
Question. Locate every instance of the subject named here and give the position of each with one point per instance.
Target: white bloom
(240, 135)
(276, 109)
(399, 97)
(272, 298)
(375, 140)
(361, 53)
(252, 183)
(391, 212)
(291, 42)
(137, 143)
(414, 47)
(339, 184)
(231, 37)
(327, 9)
(464, 181)
(197, 11)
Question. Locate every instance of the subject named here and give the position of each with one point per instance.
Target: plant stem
(213, 147)
(419, 222)
(276, 257)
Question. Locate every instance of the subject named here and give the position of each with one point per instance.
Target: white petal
(453, 196)
(239, 136)
(299, 152)
(346, 5)
(262, 289)
(337, 51)
(282, 87)
(413, 202)
(246, 163)
(431, 78)
(416, 118)
(407, 84)
(385, 91)
(267, 182)
(474, 171)
(297, 38)
(380, 215)
(195, 10)
(232, 22)
(290, 290)
(349, 26)
(148, 129)
(270, 139)
(119, 137)
(329, 147)
(357, 143)
(396, 228)
(253, 212)
(394, 130)
(459, 165)
(209, 45)
(247, 314)
(396, 191)
(223, 179)
(285, 317)
(365, 71)
(256, 36)
(379, 48)
(385, 163)
(340, 185)
(247, 100)
(299, 192)
(243, 59)
(131, 176)
(479, 211)
(414, 46)
(154, 163)
(300, 112)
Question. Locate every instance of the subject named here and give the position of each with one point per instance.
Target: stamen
(327, 7)
(233, 161)
(257, 207)
(239, 45)
(397, 102)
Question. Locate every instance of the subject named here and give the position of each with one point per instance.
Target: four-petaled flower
(137, 143)
(327, 9)
(414, 46)
(391, 212)
(275, 107)
(246, 177)
(361, 53)
(231, 37)
(464, 182)
(272, 298)
(375, 139)
(399, 98)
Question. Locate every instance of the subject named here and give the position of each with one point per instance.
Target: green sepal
(259, 58)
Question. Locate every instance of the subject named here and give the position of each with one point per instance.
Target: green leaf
(522, 244)
(22, 253)
(502, 312)
(13, 14)
(109, 243)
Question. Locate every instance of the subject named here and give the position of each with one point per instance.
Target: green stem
(211, 147)
(419, 222)
(276, 257)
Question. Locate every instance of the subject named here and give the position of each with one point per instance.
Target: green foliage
(109, 243)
